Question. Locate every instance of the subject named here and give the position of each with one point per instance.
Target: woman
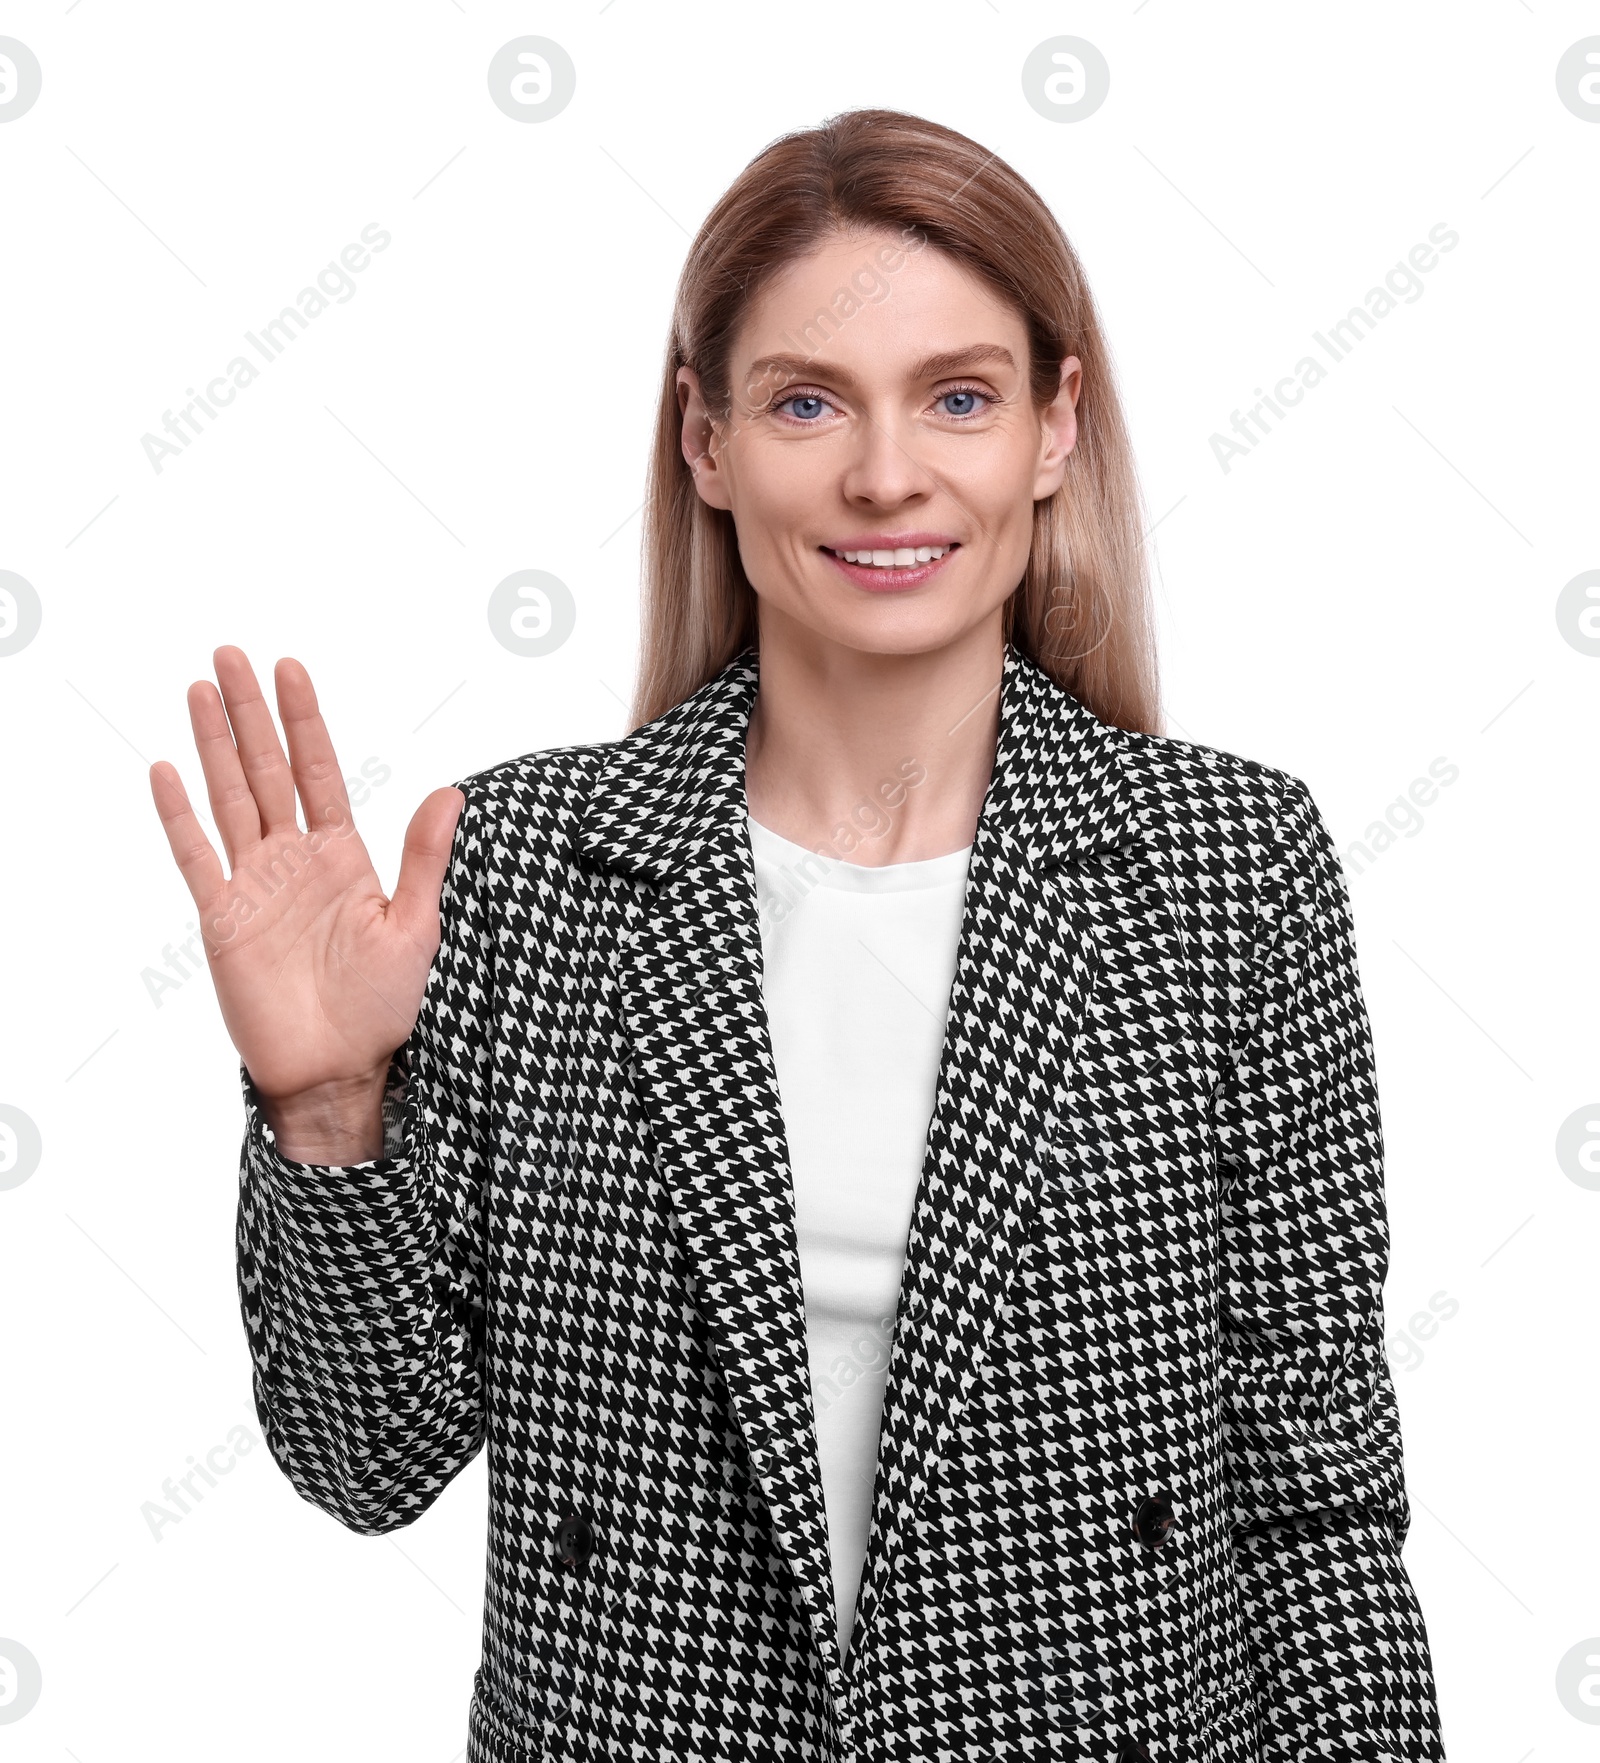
(887, 1151)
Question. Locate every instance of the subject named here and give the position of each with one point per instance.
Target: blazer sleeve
(362, 1285)
(1313, 1440)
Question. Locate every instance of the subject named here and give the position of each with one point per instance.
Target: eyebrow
(929, 367)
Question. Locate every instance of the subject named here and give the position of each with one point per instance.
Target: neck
(873, 758)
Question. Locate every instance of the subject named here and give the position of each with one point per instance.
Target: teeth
(904, 558)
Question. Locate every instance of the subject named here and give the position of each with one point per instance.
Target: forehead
(875, 300)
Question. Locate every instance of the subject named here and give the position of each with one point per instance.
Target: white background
(1374, 587)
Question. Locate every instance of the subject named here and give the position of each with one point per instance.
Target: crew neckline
(818, 870)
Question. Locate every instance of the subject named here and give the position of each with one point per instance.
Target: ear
(699, 441)
(1058, 426)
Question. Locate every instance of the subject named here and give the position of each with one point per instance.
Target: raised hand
(318, 972)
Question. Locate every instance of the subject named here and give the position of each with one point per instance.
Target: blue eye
(968, 409)
(814, 406)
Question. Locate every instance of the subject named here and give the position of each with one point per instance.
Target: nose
(883, 467)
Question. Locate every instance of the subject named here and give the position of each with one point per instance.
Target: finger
(256, 737)
(423, 863)
(233, 807)
(311, 756)
(198, 864)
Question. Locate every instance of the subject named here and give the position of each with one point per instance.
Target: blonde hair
(1082, 611)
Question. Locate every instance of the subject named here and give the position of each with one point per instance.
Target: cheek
(995, 475)
(777, 495)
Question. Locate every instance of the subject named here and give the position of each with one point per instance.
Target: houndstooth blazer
(1139, 1491)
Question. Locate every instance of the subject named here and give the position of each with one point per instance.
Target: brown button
(574, 1540)
(1154, 1520)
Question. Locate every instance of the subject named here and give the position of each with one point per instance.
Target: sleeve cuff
(261, 1146)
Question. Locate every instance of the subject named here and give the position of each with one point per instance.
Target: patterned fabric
(1140, 1476)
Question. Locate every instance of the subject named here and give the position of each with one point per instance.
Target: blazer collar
(1057, 792)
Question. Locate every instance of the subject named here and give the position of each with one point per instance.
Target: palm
(319, 974)
(317, 979)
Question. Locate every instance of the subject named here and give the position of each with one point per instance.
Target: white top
(858, 964)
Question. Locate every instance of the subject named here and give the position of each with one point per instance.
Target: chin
(905, 629)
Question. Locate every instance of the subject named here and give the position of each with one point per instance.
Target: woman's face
(880, 405)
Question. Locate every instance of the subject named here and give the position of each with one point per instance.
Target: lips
(891, 577)
(885, 540)
(895, 556)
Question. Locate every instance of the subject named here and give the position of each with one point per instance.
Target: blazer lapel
(669, 809)
(1027, 966)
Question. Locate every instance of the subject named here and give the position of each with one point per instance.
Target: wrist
(334, 1123)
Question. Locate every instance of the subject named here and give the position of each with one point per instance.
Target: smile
(906, 566)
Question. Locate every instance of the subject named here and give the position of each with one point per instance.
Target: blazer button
(574, 1540)
(1133, 1752)
(1154, 1521)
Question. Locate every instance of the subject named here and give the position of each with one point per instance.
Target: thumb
(423, 862)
